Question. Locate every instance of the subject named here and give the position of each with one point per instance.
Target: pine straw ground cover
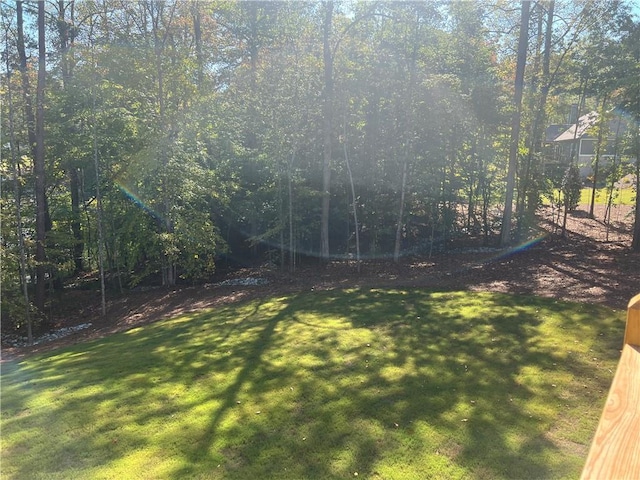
(367, 383)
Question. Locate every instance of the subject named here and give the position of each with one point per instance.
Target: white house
(578, 142)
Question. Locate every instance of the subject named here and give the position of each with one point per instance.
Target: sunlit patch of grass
(622, 196)
(383, 383)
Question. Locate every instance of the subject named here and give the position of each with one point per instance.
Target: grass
(393, 384)
(623, 196)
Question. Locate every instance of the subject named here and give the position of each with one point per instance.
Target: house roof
(553, 131)
(577, 130)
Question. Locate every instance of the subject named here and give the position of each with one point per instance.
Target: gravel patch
(249, 281)
(20, 341)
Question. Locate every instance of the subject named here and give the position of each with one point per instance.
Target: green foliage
(205, 123)
(571, 188)
(389, 383)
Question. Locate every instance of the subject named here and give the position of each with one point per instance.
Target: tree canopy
(154, 139)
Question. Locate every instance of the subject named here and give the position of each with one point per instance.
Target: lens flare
(137, 200)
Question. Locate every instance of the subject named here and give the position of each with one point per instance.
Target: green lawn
(376, 384)
(624, 196)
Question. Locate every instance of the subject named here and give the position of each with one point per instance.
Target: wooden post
(632, 331)
(615, 448)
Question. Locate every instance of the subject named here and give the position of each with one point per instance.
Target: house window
(587, 146)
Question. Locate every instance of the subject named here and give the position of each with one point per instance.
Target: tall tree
(523, 40)
(35, 127)
(15, 154)
(327, 127)
(542, 81)
(66, 36)
(630, 101)
(407, 127)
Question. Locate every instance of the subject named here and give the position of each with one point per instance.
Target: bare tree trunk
(155, 10)
(505, 238)
(473, 183)
(564, 219)
(354, 203)
(529, 193)
(399, 224)
(327, 112)
(525, 175)
(407, 144)
(635, 243)
(41, 206)
(292, 252)
(96, 164)
(197, 37)
(612, 181)
(66, 37)
(596, 161)
(103, 303)
(36, 136)
(575, 151)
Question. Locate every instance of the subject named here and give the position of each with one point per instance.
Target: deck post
(632, 330)
(615, 448)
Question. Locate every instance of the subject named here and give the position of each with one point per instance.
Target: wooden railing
(615, 449)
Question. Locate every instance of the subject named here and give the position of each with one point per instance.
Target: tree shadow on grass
(454, 365)
(315, 386)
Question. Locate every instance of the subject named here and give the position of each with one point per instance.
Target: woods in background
(151, 139)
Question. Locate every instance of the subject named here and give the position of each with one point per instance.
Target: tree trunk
(251, 140)
(327, 112)
(635, 243)
(354, 203)
(41, 205)
(526, 174)
(168, 262)
(16, 175)
(32, 128)
(596, 161)
(103, 304)
(575, 149)
(292, 253)
(529, 194)
(505, 238)
(613, 178)
(197, 37)
(399, 224)
(66, 37)
(473, 183)
(76, 228)
(406, 135)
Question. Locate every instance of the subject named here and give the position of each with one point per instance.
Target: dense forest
(150, 141)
